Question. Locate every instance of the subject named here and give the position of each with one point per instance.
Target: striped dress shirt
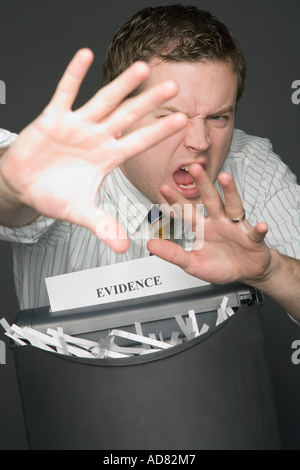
(49, 247)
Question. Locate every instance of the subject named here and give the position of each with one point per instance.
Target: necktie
(161, 224)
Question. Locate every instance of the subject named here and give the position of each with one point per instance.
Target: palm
(228, 254)
(69, 170)
(59, 161)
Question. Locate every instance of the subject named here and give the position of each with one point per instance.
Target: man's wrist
(282, 281)
(13, 213)
(269, 279)
(3, 150)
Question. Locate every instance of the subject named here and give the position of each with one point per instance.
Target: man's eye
(219, 120)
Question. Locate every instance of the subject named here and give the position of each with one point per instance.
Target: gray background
(39, 37)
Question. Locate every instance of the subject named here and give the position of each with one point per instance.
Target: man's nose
(196, 138)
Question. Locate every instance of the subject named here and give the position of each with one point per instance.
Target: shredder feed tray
(156, 313)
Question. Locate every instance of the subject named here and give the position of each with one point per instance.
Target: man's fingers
(192, 215)
(169, 251)
(110, 231)
(103, 225)
(259, 232)
(137, 141)
(110, 96)
(68, 87)
(208, 193)
(129, 113)
(233, 203)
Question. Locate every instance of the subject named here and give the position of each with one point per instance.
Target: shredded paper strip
(55, 340)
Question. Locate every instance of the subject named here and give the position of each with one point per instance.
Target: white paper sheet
(131, 279)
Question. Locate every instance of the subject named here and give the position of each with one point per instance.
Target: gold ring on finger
(236, 220)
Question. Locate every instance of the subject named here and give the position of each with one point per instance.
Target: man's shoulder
(244, 144)
(252, 157)
(249, 153)
(6, 137)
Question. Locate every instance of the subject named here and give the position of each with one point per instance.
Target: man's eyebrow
(169, 109)
(221, 110)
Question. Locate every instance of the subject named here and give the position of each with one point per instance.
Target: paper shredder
(211, 392)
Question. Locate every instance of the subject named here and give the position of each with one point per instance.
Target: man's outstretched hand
(57, 164)
(223, 251)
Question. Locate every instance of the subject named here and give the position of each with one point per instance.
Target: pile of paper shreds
(55, 340)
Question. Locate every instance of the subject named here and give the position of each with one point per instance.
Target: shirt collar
(130, 205)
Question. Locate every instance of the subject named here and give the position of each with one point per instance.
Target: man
(251, 232)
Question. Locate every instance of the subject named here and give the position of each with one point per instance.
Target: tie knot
(160, 223)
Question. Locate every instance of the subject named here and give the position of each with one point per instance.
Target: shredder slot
(155, 313)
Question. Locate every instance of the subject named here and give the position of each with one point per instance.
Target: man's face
(207, 95)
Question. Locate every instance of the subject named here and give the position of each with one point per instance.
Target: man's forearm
(12, 213)
(3, 150)
(283, 283)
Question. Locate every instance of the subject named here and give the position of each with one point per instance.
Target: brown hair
(173, 33)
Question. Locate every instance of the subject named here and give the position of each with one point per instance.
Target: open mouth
(183, 178)
(185, 183)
